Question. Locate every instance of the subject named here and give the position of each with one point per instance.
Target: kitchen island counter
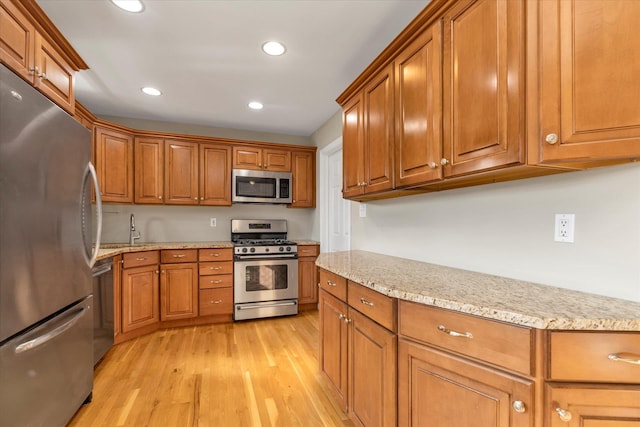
(494, 297)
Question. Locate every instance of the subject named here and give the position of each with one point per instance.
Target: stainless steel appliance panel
(253, 186)
(260, 310)
(46, 373)
(45, 207)
(265, 280)
(103, 316)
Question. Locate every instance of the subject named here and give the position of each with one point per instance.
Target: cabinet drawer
(308, 250)
(495, 342)
(210, 268)
(584, 356)
(216, 254)
(137, 259)
(170, 256)
(216, 301)
(334, 284)
(380, 308)
(216, 281)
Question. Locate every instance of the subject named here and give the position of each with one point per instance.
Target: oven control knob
(244, 250)
(252, 249)
(281, 249)
(266, 249)
(288, 248)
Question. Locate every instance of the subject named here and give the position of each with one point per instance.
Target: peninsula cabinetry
(178, 284)
(140, 290)
(253, 157)
(114, 164)
(358, 349)
(582, 368)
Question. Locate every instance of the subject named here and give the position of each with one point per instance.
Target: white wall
(507, 229)
(191, 223)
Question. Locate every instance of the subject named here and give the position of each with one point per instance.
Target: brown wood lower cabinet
(179, 284)
(216, 301)
(358, 360)
(307, 276)
(139, 297)
(438, 389)
(216, 282)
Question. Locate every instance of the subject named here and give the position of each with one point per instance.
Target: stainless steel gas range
(265, 267)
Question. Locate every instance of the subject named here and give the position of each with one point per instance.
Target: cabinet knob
(201, 198)
(564, 414)
(519, 406)
(195, 198)
(551, 138)
(293, 201)
(432, 165)
(444, 161)
(34, 70)
(160, 197)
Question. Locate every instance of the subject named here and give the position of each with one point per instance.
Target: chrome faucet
(133, 234)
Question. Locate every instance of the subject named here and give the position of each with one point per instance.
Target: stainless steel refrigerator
(46, 254)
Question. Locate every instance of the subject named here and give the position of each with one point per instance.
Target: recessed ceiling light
(151, 91)
(254, 105)
(129, 5)
(273, 48)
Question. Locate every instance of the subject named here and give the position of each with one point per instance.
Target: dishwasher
(102, 273)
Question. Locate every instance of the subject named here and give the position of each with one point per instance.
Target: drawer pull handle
(364, 301)
(625, 357)
(215, 268)
(330, 283)
(442, 328)
(519, 406)
(218, 301)
(214, 254)
(215, 281)
(179, 255)
(564, 414)
(141, 259)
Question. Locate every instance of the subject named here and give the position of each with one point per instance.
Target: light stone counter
(110, 249)
(493, 297)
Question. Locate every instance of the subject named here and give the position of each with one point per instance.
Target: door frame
(332, 148)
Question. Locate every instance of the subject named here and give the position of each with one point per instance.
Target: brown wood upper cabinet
(114, 164)
(589, 63)
(368, 138)
(261, 158)
(304, 179)
(181, 172)
(215, 174)
(28, 53)
(149, 170)
(483, 85)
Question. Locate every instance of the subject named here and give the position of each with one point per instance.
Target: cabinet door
(333, 346)
(353, 148)
(372, 372)
(139, 297)
(589, 86)
(437, 389)
(246, 157)
(307, 280)
(178, 291)
(17, 40)
(304, 180)
(215, 175)
(56, 77)
(378, 132)
(418, 112)
(149, 170)
(574, 406)
(181, 172)
(276, 160)
(114, 164)
(483, 102)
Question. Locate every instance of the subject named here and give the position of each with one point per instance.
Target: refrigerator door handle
(42, 339)
(91, 170)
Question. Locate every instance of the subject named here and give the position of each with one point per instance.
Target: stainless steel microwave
(252, 186)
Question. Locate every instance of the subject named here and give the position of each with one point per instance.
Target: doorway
(335, 212)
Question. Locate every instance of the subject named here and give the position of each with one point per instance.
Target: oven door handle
(275, 304)
(262, 257)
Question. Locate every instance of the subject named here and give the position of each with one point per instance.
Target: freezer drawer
(47, 373)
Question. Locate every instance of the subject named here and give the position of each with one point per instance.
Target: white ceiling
(205, 57)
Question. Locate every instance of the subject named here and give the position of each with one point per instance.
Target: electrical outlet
(363, 210)
(212, 222)
(565, 224)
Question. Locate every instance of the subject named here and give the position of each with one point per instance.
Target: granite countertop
(111, 249)
(514, 301)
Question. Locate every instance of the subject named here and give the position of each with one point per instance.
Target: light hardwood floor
(250, 373)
